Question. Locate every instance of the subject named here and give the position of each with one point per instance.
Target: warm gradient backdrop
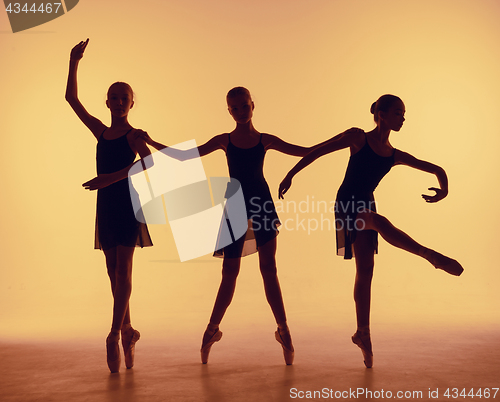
(314, 68)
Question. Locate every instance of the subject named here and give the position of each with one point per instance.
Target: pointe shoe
(365, 344)
(447, 264)
(205, 349)
(288, 351)
(129, 338)
(113, 353)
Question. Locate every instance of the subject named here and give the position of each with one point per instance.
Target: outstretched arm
(273, 142)
(278, 144)
(404, 158)
(210, 146)
(138, 145)
(340, 141)
(94, 124)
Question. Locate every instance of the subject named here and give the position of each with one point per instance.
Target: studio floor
(247, 365)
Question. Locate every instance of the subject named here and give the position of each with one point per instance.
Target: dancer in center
(245, 149)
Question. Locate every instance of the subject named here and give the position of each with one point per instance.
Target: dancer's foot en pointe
(129, 337)
(440, 261)
(211, 335)
(362, 339)
(113, 352)
(282, 335)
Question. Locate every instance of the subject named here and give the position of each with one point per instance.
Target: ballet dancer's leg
(119, 263)
(230, 271)
(267, 263)
(111, 257)
(398, 238)
(112, 349)
(364, 255)
(123, 286)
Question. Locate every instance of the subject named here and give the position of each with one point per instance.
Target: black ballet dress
(246, 165)
(364, 172)
(115, 220)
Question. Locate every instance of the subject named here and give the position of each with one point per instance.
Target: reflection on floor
(249, 366)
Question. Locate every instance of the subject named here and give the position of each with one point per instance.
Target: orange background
(314, 68)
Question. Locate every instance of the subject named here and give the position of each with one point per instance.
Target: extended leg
(390, 233)
(398, 238)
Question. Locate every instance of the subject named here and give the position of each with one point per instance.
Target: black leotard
(364, 171)
(246, 165)
(115, 220)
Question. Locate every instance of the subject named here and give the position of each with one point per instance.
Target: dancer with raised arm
(356, 220)
(117, 230)
(245, 149)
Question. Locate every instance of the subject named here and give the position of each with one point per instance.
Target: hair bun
(372, 108)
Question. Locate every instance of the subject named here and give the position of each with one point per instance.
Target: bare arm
(340, 141)
(273, 142)
(94, 124)
(215, 143)
(404, 158)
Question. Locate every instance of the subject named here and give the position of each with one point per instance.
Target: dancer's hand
(440, 194)
(78, 50)
(101, 181)
(284, 186)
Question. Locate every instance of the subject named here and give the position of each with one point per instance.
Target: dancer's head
(240, 104)
(120, 99)
(389, 110)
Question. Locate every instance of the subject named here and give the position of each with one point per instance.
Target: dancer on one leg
(357, 223)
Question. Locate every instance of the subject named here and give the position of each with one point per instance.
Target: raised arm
(404, 158)
(94, 124)
(340, 141)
